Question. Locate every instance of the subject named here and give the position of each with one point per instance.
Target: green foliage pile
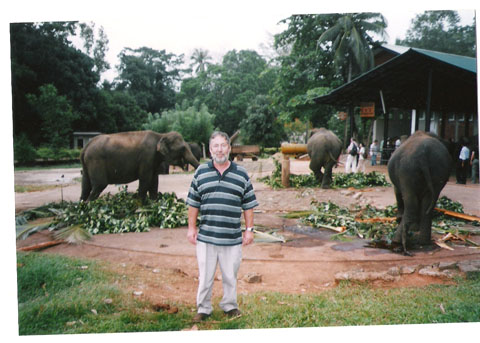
(123, 212)
(328, 214)
(118, 213)
(359, 180)
(339, 180)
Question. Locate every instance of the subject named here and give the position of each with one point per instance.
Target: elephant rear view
(418, 169)
(324, 148)
(128, 156)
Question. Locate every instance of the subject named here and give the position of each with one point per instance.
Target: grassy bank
(64, 295)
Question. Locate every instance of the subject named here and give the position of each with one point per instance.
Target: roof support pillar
(385, 118)
(429, 100)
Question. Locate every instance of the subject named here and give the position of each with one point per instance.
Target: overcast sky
(180, 26)
(219, 29)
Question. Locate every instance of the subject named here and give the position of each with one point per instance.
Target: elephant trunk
(190, 158)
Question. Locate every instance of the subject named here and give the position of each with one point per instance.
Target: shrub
(23, 150)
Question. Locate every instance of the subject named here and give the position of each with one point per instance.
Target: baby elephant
(324, 148)
(418, 169)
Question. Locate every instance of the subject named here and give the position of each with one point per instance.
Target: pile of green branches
(330, 215)
(339, 180)
(118, 213)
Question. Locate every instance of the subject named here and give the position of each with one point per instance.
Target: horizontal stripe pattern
(221, 199)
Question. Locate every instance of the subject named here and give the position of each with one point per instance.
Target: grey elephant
(418, 169)
(196, 151)
(324, 148)
(128, 156)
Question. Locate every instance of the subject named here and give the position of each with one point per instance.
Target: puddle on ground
(304, 242)
(318, 237)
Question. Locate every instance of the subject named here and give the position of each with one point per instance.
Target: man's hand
(192, 235)
(247, 237)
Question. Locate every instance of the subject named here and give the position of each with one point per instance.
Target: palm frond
(23, 231)
(73, 234)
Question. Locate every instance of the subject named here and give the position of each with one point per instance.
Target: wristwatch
(249, 229)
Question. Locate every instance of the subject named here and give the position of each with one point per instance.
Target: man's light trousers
(229, 258)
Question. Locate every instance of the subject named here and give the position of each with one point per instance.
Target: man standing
(219, 191)
(463, 163)
(352, 152)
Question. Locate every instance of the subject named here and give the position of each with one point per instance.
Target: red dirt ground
(162, 264)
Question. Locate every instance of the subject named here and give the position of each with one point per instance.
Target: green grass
(57, 294)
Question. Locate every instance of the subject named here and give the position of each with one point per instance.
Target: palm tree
(351, 43)
(200, 58)
(351, 46)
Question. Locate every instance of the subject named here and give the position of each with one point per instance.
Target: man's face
(219, 149)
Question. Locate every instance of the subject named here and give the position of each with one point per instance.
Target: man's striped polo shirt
(221, 199)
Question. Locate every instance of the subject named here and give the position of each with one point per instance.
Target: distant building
(412, 89)
(80, 139)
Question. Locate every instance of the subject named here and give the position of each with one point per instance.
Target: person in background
(374, 152)
(352, 151)
(361, 159)
(463, 163)
(474, 164)
(220, 191)
(398, 142)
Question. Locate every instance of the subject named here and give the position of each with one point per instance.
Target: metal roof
(404, 79)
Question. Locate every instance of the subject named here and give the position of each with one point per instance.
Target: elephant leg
(408, 221)
(86, 187)
(317, 170)
(426, 215)
(327, 177)
(143, 187)
(153, 190)
(96, 190)
(400, 204)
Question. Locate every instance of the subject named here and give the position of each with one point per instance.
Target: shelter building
(412, 89)
(80, 139)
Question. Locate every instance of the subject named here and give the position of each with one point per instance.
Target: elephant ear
(163, 147)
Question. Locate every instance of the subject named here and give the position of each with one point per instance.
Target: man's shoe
(233, 313)
(200, 317)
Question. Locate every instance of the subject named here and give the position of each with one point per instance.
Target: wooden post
(285, 171)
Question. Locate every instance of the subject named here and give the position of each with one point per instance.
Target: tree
(193, 122)
(228, 89)
(149, 76)
(200, 59)
(440, 31)
(351, 47)
(95, 48)
(240, 80)
(42, 54)
(261, 125)
(303, 66)
(56, 114)
(351, 43)
(118, 111)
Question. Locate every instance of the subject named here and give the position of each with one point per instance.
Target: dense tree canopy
(440, 31)
(228, 89)
(56, 85)
(41, 55)
(149, 76)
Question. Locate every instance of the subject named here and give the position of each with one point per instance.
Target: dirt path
(162, 264)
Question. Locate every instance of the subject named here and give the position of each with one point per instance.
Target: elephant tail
(428, 180)
(333, 158)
